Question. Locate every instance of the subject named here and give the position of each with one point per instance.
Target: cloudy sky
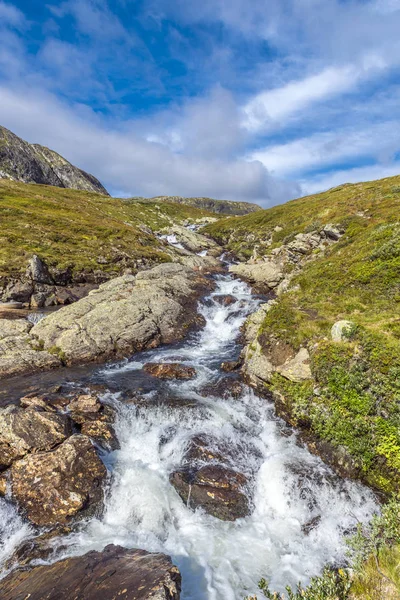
(257, 100)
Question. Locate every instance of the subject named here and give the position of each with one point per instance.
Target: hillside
(81, 230)
(222, 207)
(352, 400)
(32, 163)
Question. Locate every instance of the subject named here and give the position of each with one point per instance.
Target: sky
(260, 100)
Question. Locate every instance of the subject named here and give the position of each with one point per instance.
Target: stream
(289, 487)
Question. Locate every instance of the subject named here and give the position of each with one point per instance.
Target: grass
(70, 228)
(357, 406)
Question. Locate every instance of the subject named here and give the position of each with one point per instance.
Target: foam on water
(289, 487)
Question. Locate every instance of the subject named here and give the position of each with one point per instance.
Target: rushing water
(290, 487)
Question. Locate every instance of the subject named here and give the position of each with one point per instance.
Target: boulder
(333, 232)
(268, 273)
(25, 431)
(257, 367)
(298, 368)
(170, 371)
(95, 420)
(19, 352)
(215, 488)
(225, 299)
(225, 387)
(230, 365)
(113, 573)
(125, 315)
(341, 330)
(18, 291)
(3, 484)
(193, 241)
(51, 487)
(38, 272)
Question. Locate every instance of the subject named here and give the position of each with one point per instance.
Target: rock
(257, 367)
(51, 487)
(334, 232)
(225, 300)
(204, 264)
(32, 163)
(170, 371)
(341, 330)
(231, 365)
(298, 368)
(268, 273)
(102, 433)
(125, 315)
(113, 573)
(216, 489)
(226, 387)
(19, 352)
(311, 524)
(11, 305)
(36, 402)
(192, 241)
(95, 420)
(18, 291)
(25, 431)
(38, 272)
(3, 484)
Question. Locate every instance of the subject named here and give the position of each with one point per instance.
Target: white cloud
(380, 141)
(329, 180)
(10, 15)
(129, 163)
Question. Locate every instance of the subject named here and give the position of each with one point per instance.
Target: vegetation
(375, 553)
(81, 230)
(354, 400)
(223, 207)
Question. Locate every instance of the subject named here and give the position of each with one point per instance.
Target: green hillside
(80, 229)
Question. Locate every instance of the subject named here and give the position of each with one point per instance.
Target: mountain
(32, 163)
(221, 207)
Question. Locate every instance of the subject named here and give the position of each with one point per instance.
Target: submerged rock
(170, 371)
(215, 488)
(51, 487)
(113, 573)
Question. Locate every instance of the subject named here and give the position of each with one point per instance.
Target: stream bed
(300, 510)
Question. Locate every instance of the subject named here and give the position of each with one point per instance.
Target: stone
(125, 315)
(231, 365)
(216, 489)
(257, 367)
(19, 352)
(24, 431)
(94, 419)
(298, 368)
(3, 484)
(225, 300)
(225, 387)
(341, 330)
(193, 241)
(334, 232)
(268, 273)
(52, 487)
(38, 272)
(113, 573)
(170, 371)
(18, 291)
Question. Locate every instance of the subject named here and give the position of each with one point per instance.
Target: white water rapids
(290, 487)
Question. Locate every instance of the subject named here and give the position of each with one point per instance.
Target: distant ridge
(32, 163)
(222, 207)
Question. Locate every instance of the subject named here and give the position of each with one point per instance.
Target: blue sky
(260, 101)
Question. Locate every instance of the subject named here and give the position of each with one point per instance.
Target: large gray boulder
(113, 573)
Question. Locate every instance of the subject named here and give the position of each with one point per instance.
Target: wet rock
(170, 371)
(341, 330)
(95, 420)
(36, 402)
(113, 573)
(225, 300)
(226, 387)
(298, 368)
(40, 547)
(18, 291)
(54, 486)
(230, 365)
(3, 484)
(311, 524)
(25, 431)
(215, 488)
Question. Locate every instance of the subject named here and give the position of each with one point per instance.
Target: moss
(56, 351)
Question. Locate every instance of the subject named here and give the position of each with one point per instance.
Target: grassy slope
(359, 279)
(69, 227)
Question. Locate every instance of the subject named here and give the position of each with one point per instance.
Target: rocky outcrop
(19, 352)
(193, 241)
(221, 207)
(51, 487)
(341, 329)
(114, 573)
(124, 315)
(32, 163)
(170, 370)
(215, 488)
